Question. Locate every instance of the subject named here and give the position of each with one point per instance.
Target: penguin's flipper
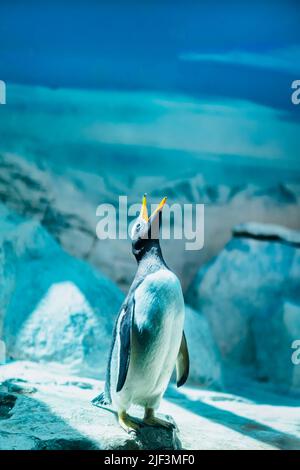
(124, 331)
(183, 362)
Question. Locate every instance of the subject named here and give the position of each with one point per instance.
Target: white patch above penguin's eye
(137, 230)
(134, 230)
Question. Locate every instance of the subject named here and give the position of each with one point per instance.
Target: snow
(41, 408)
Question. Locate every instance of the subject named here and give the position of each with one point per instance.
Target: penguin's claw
(153, 421)
(128, 423)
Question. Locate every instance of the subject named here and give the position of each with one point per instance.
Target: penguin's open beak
(144, 210)
(158, 209)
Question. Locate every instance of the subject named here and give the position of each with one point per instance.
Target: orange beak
(144, 210)
(158, 209)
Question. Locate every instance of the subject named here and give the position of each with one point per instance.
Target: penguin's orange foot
(128, 423)
(151, 420)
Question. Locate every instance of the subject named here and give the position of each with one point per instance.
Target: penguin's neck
(149, 255)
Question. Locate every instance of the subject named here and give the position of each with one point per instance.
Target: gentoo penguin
(148, 339)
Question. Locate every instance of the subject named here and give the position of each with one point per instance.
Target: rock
(60, 416)
(267, 232)
(57, 201)
(2, 351)
(53, 307)
(250, 293)
(64, 418)
(194, 189)
(18, 386)
(205, 362)
(56, 308)
(63, 192)
(275, 330)
(7, 402)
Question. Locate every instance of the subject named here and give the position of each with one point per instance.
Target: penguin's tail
(101, 400)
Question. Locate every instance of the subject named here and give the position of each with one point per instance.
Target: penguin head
(145, 231)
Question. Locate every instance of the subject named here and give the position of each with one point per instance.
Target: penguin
(148, 338)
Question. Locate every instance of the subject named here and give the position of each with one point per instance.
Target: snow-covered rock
(53, 307)
(63, 192)
(250, 294)
(56, 308)
(40, 408)
(193, 190)
(267, 232)
(205, 362)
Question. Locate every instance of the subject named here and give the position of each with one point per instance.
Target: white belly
(156, 338)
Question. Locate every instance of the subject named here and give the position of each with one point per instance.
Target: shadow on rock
(28, 424)
(248, 427)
